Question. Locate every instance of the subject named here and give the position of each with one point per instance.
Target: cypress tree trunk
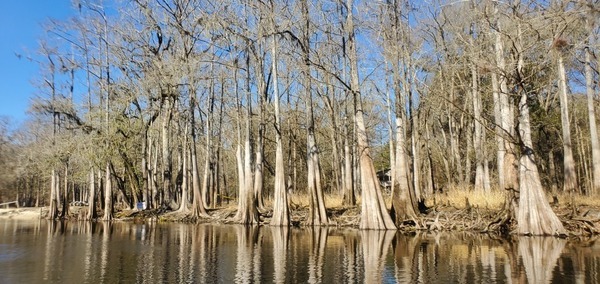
(183, 204)
(53, 210)
(198, 209)
(108, 196)
(92, 212)
(281, 212)
(534, 216)
(374, 214)
(317, 212)
(570, 183)
(247, 207)
(589, 83)
(348, 177)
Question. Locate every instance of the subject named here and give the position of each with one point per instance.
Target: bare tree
(281, 212)
(534, 215)
(374, 214)
(396, 43)
(317, 211)
(570, 183)
(589, 83)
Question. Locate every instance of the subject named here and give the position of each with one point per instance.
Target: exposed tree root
(583, 223)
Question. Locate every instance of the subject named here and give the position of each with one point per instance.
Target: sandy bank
(25, 213)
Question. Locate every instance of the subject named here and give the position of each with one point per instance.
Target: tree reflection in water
(248, 255)
(86, 252)
(280, 247)
(104, 249)
(375, 245)
(539, 256)
(316, 256)
(404, 258)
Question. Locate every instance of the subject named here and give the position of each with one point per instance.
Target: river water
(121, 252)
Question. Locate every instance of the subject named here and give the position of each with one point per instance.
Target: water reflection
(248, 255)
(280, 246)
(85, 252)
(375, 244)
(316, 256)
(539, 256)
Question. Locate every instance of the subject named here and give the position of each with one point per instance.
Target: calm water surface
(82, 252)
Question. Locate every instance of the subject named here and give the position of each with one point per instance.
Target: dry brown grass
(457, 197)
(303, 200)
(580, 200)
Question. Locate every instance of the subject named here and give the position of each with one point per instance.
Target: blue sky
(20, 29)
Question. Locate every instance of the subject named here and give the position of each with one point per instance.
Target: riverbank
(457, 211)
(24, 213)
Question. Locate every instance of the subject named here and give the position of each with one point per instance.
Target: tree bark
(570, 182)
(506, 131)
(167, 167)
(183, 204)
(317, 212)
(92, 212)
(348, 177)
(198, 209)
(53, 209)
(108, 196)
(403, 193)
(247, 207)
(589, 83)
(534, 215)
(374, 214)
(65, 195)
(478, 140)
(281, 212)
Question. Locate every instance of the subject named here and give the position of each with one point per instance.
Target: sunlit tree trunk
(317, 213)
(478, 141)
(333, 108)
(374, 214)
(348, 174)
(167, 168)
(247, 205)
(391, 143)
(208, 181)
(238, 150)
(589, 83)
(108, 196)
(259, 157)
(281, 212)
(183, 204)
(534, 215)
(506, 149)
(92, 212)
(198, 209)
(53, 209)
(403, 197)
(570, 182)
(65, 194)
(207, 171)
(498, 127)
